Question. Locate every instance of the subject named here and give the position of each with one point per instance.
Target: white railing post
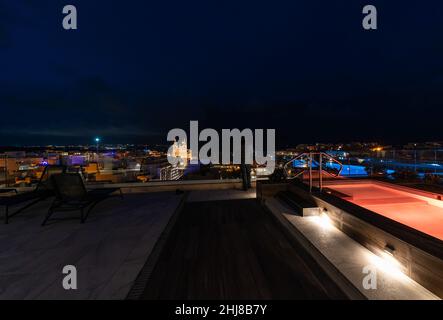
(320, 170)
(310, 172)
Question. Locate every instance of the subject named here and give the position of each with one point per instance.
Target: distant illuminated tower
(180, 150)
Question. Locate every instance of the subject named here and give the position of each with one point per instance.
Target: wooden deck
(234, 249)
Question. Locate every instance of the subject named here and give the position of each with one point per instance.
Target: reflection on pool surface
(348, 169)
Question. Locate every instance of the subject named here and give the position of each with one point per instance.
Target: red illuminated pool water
(412, 209)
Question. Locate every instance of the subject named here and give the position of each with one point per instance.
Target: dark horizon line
(279, 146)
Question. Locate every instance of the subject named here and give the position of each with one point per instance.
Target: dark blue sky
(135, 69)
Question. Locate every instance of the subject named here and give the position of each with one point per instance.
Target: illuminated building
(181, 152)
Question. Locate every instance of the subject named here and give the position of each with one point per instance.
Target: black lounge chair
(43, 191)
(71, 195)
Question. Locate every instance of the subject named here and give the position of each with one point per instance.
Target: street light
(97, 141)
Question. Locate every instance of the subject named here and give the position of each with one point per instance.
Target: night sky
(136, 69)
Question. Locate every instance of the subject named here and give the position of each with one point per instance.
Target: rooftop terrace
(212, 242)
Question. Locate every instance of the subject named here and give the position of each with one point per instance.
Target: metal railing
(309, 158)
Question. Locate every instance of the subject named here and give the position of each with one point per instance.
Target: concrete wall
(416, 263)
(268, 190)
(183, 185)
(419, 265)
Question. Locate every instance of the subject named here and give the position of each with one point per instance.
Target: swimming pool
(402, 225)
(348, 169)
(412, 208)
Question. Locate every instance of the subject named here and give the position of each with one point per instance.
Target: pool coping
(420, 255)
(344, 268)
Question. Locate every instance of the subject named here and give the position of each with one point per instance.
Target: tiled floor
(108, 250)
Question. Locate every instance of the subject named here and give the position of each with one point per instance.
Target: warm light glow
(323, 221)
(386, 262)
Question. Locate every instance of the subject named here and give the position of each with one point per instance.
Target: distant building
(169, 172)
(423, 145)
(73, 160)
(161, 169)
(340, 154)
(180, 151)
